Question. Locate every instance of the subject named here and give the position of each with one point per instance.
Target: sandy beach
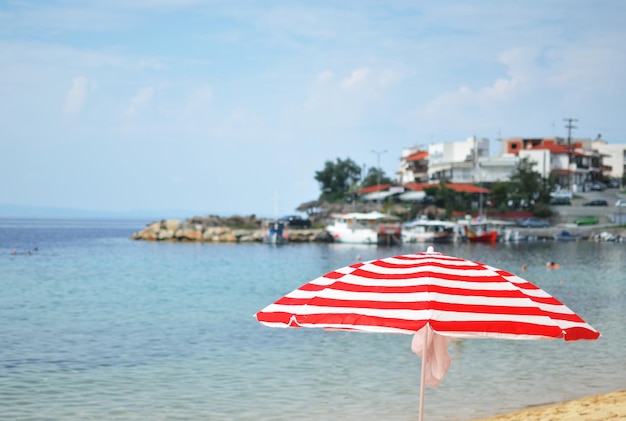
(609, 406)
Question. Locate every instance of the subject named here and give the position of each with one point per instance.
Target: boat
(275, 232)
(423, 230)
(518, 236)
(567, 236)
(480, 236)
(486, 230)
(366, 228)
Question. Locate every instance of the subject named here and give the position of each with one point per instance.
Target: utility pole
(569, 126)
(378, 154)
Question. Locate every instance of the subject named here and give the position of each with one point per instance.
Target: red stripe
(495, 327)
(417, 264)
(417, 275)
(312, 287)
(576, 333)
(352, 321)
(523, 285)
(417, 288)
(416, 305)
(334, 275)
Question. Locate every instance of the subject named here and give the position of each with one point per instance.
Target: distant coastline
(237, 229)
(24, 211)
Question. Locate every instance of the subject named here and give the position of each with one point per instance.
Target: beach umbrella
(433, 297)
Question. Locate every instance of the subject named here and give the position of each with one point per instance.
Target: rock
(165, 234)
(145, 235)
(171, 224)
(188, 234)
(227, 237)
(154, 227)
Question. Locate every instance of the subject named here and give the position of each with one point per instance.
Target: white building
(614, 158)
(457, 161)
(575, 165)
(413, 166)
(496, 168)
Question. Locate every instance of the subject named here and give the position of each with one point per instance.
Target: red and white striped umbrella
(432, 296)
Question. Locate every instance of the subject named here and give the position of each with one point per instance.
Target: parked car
(560, 201)
(586, 220)
(597, 202)
(296, 221)
(621, 203)
(613, 184)
(533, 223)
(598, 186)
(558, 194)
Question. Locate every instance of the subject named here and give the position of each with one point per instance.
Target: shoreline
(246, 231)
(606, 406)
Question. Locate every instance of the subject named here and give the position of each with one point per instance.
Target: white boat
(424, 230)
(366, 228)
(275, 232)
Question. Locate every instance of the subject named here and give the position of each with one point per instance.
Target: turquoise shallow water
(96, 326)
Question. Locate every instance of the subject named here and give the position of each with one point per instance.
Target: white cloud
(76, 96)
(356, 78)
(142, 97)
(479, 107)
(339, 101)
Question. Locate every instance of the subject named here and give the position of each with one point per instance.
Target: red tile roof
(461, 188)
(417, 156)
(458, 187)
(372, 189)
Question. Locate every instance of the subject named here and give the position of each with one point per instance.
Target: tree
(338, 179)
(527, 185)
(373, 176)
(500, 195)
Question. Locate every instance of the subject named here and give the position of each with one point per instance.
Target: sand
(610, 406)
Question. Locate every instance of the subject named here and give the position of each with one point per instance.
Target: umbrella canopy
(432, 296)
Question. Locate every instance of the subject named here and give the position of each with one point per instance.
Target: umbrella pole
(423, 375)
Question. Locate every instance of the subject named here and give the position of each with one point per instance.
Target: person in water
(552, 265)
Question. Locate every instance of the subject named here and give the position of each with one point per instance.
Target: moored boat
(480, 236)
(485, 230)
(567, 236)
(424, 230)
(366, 228)
(275, 232)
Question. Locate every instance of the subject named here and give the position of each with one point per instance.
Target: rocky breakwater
(215, 229)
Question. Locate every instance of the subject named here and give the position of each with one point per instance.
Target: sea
(96, 326)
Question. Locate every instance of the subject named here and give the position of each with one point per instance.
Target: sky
(230, 107)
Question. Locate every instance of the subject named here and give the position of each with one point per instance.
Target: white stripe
(410, 315)
(424, 280)
(553, 308)
(418, 271)
(381, 329)
(360, 328)
(416, 297)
